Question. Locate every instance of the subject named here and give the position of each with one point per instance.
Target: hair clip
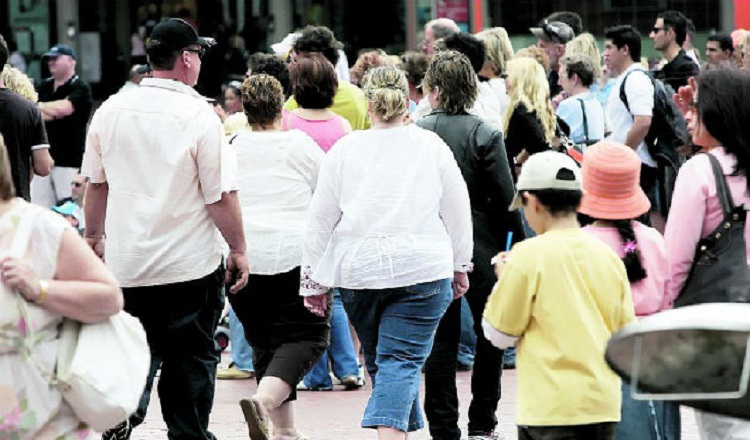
(630, 247)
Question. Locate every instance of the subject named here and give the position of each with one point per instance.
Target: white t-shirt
(277, 176)
(159, 147)
(571, 112)
(391, 209)
(640, 93)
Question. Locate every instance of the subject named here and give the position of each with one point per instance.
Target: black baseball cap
(176, 34)
(60, 49)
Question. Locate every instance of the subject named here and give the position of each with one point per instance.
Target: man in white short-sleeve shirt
(162, 188)
(622, 54)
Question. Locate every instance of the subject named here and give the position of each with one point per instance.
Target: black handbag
(720, 272)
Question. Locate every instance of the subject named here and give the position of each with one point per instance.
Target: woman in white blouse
(277, 172)
(390, 226)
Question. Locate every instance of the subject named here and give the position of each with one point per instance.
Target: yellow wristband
(43, 287)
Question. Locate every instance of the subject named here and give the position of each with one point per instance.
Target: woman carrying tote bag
(718, 117)
(55, 276)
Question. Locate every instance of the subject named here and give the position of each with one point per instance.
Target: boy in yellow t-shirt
(560, 296)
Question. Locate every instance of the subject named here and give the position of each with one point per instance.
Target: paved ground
(335, 415)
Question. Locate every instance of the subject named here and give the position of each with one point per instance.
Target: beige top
(160, 149)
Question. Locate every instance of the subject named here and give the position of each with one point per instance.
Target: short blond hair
(262, 100)
(451, 73)
(498, 49)
(534, 53)
(17, 81)
(585, 44)
(388, 92)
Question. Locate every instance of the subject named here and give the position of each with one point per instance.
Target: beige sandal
(256, 418)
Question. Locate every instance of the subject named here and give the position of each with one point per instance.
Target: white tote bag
(101, 368)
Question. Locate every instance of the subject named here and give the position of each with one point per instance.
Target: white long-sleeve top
(391, 209)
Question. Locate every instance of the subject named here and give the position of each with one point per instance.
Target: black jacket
(480, 152)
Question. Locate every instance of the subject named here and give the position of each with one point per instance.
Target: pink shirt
(324, 131)
(648, 293)
(696, 212)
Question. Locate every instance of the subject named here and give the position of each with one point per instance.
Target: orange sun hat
(611, 183)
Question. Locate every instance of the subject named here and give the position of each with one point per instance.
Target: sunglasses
(201, 52)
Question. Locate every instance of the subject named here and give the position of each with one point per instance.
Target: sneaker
(119, 432)
(302, 386)
(352, 382)
(494, 435)
(233, 373)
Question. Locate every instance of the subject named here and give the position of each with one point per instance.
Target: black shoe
(119, 432)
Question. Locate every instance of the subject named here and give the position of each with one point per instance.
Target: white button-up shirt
(159, 147)
(391, 209)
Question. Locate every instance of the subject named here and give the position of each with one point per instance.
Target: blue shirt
(569, 111)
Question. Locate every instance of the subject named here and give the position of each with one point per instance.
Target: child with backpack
(613, 200)
(560, 296)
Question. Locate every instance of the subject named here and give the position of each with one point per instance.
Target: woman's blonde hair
(451, 72)
(7, 190)
(585, 44)
(498, 49)
(262, 100)
(388, 92)
(17, 81)
(527, 85)
(535, 53)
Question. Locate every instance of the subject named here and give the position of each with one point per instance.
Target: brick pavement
(335, 415)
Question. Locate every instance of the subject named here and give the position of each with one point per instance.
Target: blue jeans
(242, 352)
(341, 351)
(647, 419)
(396, 327)
(468, 342)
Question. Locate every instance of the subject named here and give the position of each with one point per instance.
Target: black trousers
(597, 431)
(180, 320)
(441, 395)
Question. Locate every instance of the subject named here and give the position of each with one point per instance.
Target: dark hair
(625, 35)
(676, 21)
(272, 65)
(451, 72)
(415, 65)
(162, 59)
(632, 258)
(570, 18)
(314, 82)
(690, 28)
(318, 39)
(468, 45)
(724, 40)
(4, 53)
(724, 108)
(580, 65)
(559, 202)
(262, 100)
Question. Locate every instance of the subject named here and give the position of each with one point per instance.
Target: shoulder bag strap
(722, 190)
(585, 122)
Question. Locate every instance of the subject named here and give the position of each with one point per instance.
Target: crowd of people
(415, 215)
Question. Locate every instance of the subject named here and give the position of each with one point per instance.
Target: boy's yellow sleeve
(509, 306)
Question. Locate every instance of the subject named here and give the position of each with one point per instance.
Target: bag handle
(585, 122)
(722, 190)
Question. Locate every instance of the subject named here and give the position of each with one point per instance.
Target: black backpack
(667, 133)
(668, 128)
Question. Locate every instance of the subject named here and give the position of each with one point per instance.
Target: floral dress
(31, 408)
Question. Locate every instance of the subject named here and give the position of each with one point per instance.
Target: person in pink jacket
(718, 117)
(613, 199)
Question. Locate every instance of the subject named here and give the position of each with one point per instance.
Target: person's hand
(97, 244)
(684, 96)
(558, 99)
(317, 304)
(499, 261)
(18, 275)
(238, 270)
(220, 111)
(460, 284)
